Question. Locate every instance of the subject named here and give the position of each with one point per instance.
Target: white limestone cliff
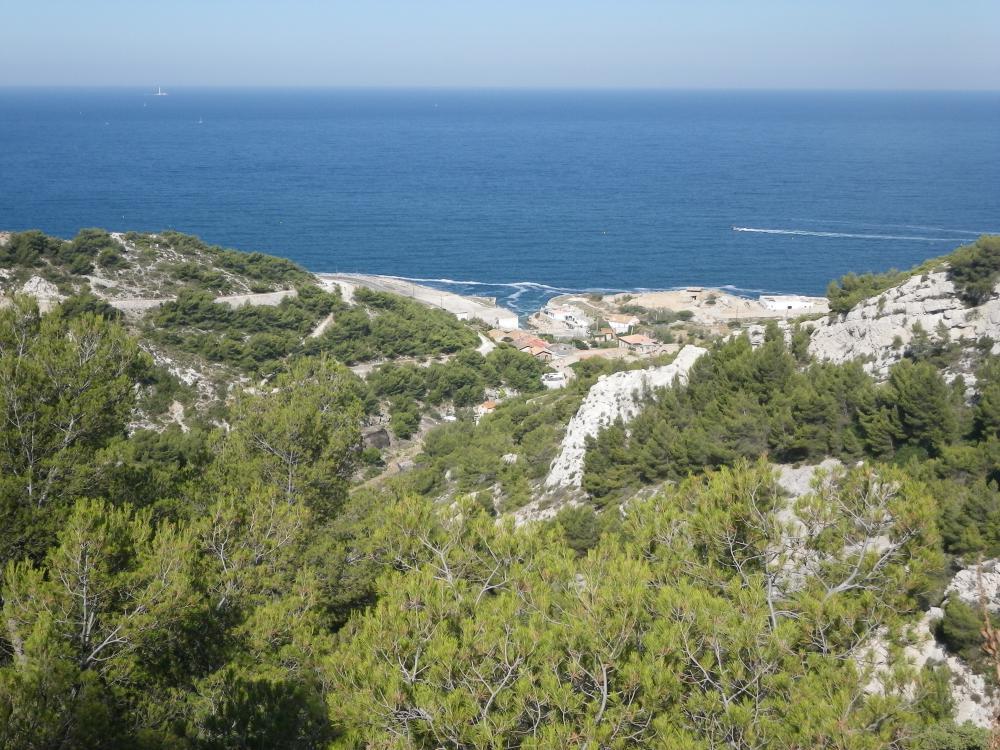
(871, 328)
(612, 397)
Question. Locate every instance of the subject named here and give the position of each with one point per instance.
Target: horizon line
(498, 87)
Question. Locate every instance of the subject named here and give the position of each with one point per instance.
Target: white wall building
(553, 380)
(621, 323)
(787, 302)
(571, 316)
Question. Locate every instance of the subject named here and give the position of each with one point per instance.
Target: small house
(637, 344)
(542, 353)
(604, 334)
(487, 407)
(621, 323)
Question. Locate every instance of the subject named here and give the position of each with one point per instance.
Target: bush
(951, 736)
(960, 632)
(580, 526)
(252, 337)
(975, 269)
(852, 288)
(404, 418)
(388, 326)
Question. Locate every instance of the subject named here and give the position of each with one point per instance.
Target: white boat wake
(849, 235)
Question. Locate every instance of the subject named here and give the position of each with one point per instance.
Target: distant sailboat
(200, 121)
(160, 92)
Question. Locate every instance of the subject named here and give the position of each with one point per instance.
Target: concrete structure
(694, 292)
(572, 316)
(554, 380)
(560, 351)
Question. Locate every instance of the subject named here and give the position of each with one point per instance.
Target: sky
(729, 44)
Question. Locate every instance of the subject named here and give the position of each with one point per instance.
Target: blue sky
(819, 44)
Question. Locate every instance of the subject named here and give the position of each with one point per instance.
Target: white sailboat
(160, 92)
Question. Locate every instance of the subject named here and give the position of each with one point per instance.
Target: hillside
(240, 510)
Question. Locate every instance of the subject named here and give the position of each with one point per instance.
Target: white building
(571, 316)
(554, 380)
(621, 323)
(787, 302)
(505, 320)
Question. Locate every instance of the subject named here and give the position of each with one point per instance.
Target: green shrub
(950, 736)
(960, 632)
(975, 269)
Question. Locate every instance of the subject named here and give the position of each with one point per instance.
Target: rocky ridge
(613, 397)
(879, 329)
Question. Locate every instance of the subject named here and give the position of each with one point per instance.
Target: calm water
(566, 190)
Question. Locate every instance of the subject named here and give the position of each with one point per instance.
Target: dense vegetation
(167, 263)
(255, 338)
(90, 247)
(386, 326)
(742, 402)
(232, 585)
(461, 381)
(251, 337)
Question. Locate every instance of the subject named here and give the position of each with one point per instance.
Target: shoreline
(713, 304)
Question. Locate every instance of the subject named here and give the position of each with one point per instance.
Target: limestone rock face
(797, 480)
(870, 329)
(616, 396)
(975, 581)
(973, 699)
(39, 288)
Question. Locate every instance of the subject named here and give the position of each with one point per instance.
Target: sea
(519, 194)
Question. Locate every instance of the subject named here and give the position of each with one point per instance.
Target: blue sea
(519, 194)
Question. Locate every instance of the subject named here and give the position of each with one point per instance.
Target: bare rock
(879, 329)
(612, 397)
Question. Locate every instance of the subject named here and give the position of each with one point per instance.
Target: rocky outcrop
(797, 480)
(973, 700)
(612, 397)
(879, 329)
(39, 288)
(977, 581)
